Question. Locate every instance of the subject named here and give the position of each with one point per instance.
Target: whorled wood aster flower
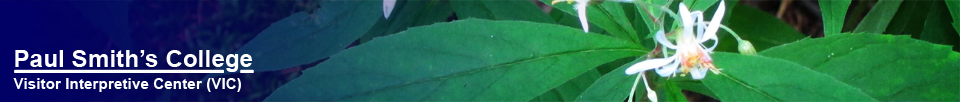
(691, 55)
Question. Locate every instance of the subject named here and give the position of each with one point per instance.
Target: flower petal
(710, 49)
(662, 39)
(652, 95)
(648, 64)
(581, 8)
(687, 21)
(668, 70)
(388, 7)
(700, 24)
(698, 73)
(708, 34)
(711, 32)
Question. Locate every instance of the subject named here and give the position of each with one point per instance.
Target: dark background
(46, 26)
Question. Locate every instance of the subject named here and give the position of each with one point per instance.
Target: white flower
(388, 7)
(690, 54)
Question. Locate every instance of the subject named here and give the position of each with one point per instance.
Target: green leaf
(886, 67)
(651, 12)
(937, 29)
(954, 7)
(634, 17)
(410, 13)
(466, 60)
(701, 5)
(757, 78)
(500, 10)
(566, 19)
(670, 92)
(909, 18)
(879, 17)
(570, 90)
(614, 86)
(760, 28)
(834, 12)
(695, 86)
(608, 15)
(304, 38)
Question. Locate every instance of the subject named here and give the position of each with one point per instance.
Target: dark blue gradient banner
(138, 50)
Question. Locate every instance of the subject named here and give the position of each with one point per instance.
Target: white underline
(124, 71)
(246, 71)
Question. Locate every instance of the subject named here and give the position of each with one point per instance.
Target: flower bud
(652, 96)
(746, 48)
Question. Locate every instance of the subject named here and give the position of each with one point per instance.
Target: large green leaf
(758, 27)
(886, 67)
(304, 38)
(467, 60)
(607, 15)
(500, 10)
(410, 13)
(757, 78)
(834, 12)
(879, 17)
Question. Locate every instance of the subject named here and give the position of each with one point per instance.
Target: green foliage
(500, 10)
(954, 7)
(924, 20)
(566, 19)
(463, 60)
(693, 85)
(910, 18)
(760, 28)
(834, 12)
(410, 13)
(936, 27)
(771, 79)
(670, 93)
(888, 68)
(879, 17)
(513, 51)
(702, 5)
(304, 38)
(571, 90)
(649, 12)
(614, 86)
(608, 15)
